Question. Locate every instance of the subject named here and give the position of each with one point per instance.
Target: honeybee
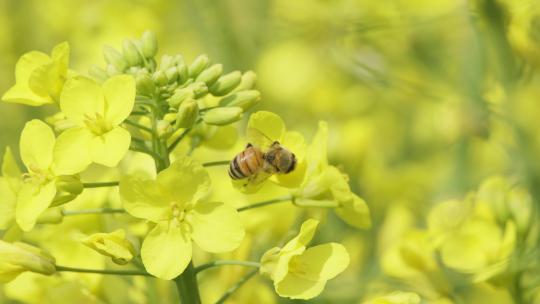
(256, 166)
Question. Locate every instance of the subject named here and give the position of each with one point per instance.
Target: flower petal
(8, 199)
(304, 236)
(28, 63)
(184, 181)
(265, 127)
(166, 251)
(36, 145)
(82, 98)
(217, 227)
(119, 98)
(32, 200)
(10, 170)
(21, 93)
(60, 54)
(143, 198)
(72, 151)
(109, 148)
(323, 262)
(295, 287)
(355, 212)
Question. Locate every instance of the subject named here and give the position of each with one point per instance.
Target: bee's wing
(252, 183)
(259, 139)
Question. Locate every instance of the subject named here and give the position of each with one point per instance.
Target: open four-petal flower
(173, 202)
(97, 111)
(300, 273)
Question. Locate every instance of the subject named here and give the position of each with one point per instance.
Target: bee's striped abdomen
(246, 163)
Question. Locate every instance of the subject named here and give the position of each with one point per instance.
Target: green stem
(236, 286)
(265, 203)
(186, 283)
(100, 184)
(226, 262)
(217, 163)
(187, 286)
(92, 211)
(104, 271)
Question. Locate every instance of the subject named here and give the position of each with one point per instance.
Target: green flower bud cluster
(135, 55)
(189, 91)
(181, 85)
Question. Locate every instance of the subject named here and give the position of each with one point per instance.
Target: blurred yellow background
(424, 99)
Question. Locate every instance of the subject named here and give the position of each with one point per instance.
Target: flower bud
(59, 122)
(198, 65)
(243, 99)
(226, 83)
(187, 114)
(169, 117)
(179, 96)
(164, 128)
(248, 81)
(160, 78)
(145, 84)
(166, 62)
(112, 70)
(68, 188)
(210, 75)
(98, 73)
(223, 116)
(149, 44)
(182, 68)
(16, 258)
(51, 216)
(152, 64)
(113, 245)
(199, 89)
(114, 57)
(172, 74)
(70, 184)
(131, 54)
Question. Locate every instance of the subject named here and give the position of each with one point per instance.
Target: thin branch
(104, 271)
(138, 113)
(143, 150)
(217, 163)
(265, 203)
(100, 184)
(138, 126)
(236, 286)
(226, 262)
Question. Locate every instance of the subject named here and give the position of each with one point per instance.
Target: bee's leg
(275, 143)
(249, 145)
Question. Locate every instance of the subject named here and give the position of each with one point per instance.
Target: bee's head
(292, 164)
